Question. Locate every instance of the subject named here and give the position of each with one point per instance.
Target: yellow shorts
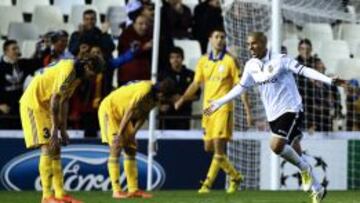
(218, 126)
(36, 124)
(109, 127)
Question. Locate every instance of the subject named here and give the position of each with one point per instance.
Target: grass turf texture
(193, 197)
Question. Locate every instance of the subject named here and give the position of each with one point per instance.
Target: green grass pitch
(193, 197)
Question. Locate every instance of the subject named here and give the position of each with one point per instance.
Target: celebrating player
(121, 114)
(218, 73)
(44, 109)
(273, 75)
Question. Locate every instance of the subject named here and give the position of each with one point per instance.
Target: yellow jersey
(59, 78)
(136, 95)
(217, 76)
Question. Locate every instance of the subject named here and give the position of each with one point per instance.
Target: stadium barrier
(180, 162)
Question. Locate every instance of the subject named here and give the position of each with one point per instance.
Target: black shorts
(288, 126)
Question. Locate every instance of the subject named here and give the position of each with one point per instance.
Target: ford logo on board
(84, 168)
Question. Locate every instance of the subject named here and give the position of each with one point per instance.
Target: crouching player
(121, 114)
(43, 111)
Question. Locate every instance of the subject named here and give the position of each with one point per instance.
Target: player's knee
(277, 144)
(45, 149)
(277, 147)
(208, 147)
(130, 151)
(114, 151)
(56, 153)
(219, 146)
(277, 150)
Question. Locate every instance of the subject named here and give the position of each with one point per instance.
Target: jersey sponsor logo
(221, 68)
(84, 168)
(265, 82)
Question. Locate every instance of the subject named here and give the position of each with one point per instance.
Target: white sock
(290, 155)
(316, 186)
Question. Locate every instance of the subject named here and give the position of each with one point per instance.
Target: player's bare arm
(55, 119)
(64, 117)
(123, 123)
(188, 95)
(138, 123)
(236, 91)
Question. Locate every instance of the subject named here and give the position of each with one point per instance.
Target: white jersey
(274, 77)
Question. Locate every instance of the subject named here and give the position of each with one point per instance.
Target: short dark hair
(167, 86)
(7, 43)
(89, 12)
(55, 36)
(177, 50)
(305, 41)
(97, 64)
(216, 29)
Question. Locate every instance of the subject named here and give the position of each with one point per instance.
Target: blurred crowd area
(127, 39)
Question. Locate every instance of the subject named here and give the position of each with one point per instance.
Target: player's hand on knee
(64, 137)
(54, 139)
(116, 142)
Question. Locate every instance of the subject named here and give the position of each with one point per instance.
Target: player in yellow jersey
(43, 111)
(218, 73)
(121, 114)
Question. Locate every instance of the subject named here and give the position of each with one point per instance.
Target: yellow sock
(228, 167)
(114, 173)
(45, 170)
(213, 171)
(57, 178)
(131, 171)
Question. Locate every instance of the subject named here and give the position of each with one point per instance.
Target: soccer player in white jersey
(273, 75)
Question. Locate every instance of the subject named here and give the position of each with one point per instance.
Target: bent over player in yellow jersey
(43, 111)
(218, 72)
(121, 114)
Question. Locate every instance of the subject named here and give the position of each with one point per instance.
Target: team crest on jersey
(221, 68)
(271, 69)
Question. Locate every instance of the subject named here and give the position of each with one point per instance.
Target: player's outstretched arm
(315, 75)
(310, 73)
(236, 91)
(188, 95)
